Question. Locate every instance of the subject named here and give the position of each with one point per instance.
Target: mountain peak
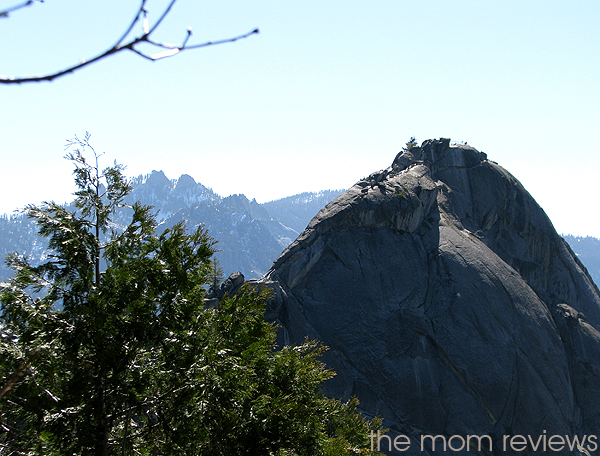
(157, 179)
(185, 182)
(438, 154)
(449, 302)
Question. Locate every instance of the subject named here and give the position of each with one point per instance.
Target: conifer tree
(107, 347)
(412, 142)
(216, 276)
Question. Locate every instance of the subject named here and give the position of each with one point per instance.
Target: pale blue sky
(327, 93)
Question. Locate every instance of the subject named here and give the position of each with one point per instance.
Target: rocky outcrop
(229, 287)
(449, 303)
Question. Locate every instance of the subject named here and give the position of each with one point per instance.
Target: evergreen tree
(216, 276)
(107, 347)
(412, 142)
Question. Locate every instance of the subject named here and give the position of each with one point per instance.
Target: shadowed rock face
(449, 302)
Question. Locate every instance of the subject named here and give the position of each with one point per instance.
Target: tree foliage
(216, 276)
(412, 142)
(107, 347)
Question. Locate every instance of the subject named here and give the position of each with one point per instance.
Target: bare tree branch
(164, 49)
(141, 9)
(7, 11)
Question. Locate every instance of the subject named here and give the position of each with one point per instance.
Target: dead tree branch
(164, 49)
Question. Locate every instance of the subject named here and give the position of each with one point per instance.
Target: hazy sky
(327, 93)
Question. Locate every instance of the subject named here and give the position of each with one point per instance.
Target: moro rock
(449, 303)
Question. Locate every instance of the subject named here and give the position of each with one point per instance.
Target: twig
(141, 10)
(168, 50)
(7, 11)
(54, 398)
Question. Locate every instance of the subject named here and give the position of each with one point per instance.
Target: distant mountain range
(250, 235)
(587, 250)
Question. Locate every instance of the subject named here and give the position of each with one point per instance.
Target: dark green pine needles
(107, 347)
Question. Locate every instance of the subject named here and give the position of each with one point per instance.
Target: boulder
(229, 287)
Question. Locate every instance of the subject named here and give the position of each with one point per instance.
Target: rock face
(450, 304)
